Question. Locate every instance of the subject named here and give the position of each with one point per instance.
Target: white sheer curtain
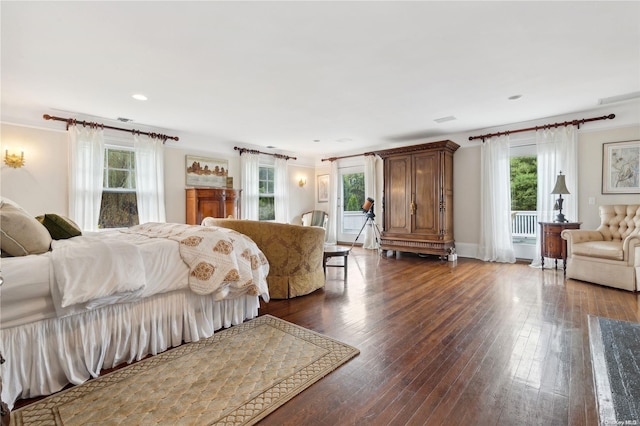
(557, 151)
(281, 182)
(86, 169)
(332, 229)
(250, 170)
(496, 244)
(370, 191)
(149, 154)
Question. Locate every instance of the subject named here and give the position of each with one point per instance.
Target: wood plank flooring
(463, 342)
(450, 343)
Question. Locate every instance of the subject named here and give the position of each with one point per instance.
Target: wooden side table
(335, 251)
(551, 244)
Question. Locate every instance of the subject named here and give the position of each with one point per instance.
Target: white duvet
(98, 269)
(90, 268)
(103, 268)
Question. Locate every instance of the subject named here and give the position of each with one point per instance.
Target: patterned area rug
(615, 357)
(236, 377)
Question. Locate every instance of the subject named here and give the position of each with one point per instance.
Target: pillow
(21, 234)
(5, 200)
(59, 227)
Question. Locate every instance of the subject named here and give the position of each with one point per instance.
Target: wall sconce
(13, 160)
(302, 182)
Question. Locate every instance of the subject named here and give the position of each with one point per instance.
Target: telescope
(367, 207)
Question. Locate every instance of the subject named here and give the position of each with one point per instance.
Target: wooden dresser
(418, 198)
(213, 202)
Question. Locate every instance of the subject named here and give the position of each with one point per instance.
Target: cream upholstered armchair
(315, 218)
(610, 255)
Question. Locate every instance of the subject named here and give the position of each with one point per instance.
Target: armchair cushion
(602, 249)
(617, 222)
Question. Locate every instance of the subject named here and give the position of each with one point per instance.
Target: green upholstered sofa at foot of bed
(294, 253)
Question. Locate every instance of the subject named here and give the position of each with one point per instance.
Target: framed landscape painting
(621, 167)
(201, 171)
(323, 188)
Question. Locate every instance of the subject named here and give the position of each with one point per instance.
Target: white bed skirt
(44, 356)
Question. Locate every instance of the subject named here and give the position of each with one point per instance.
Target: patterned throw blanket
(221, 261)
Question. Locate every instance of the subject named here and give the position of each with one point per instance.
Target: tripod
(376, 231)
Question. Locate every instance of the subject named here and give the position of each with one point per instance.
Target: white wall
(590, 173)
(41, 186)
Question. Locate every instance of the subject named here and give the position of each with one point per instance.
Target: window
(351, 218)
(524, 195)
(353, 187)
(524, 183)
(266, 196)
(119, 206)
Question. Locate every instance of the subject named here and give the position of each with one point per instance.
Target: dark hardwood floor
(451, 343)
(463, 342)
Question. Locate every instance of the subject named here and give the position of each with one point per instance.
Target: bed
(98, 300)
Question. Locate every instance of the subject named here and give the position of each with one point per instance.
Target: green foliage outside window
(118, 210)
(524, 183)
(266, 191)
(353, 186)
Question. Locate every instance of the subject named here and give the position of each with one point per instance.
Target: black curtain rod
(332, 159)
(255, 151)
(546, 126)
(73, 122)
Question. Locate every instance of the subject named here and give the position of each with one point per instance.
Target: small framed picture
(202, 171)
(621, 167)
(323, 188)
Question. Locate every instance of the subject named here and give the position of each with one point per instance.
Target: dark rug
(615, 357)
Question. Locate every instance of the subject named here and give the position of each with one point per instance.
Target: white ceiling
(351, 75)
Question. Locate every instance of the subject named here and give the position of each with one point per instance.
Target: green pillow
(59, 227)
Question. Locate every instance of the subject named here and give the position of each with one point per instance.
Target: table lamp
(560, 188)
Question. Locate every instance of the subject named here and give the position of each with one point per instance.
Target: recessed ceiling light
(514, 97)
(270, 146)
(139, 97)
(445, 119)
(124, 120)
(316, 140)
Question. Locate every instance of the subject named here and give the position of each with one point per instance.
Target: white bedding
(25, 295)
(82, 262)
(44, 356)
(157, 262)
(48, 345)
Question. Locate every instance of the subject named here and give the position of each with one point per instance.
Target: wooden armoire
(418, 198)
(212, 202)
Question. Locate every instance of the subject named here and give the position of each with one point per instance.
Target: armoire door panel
(397, 196)
(426, 193)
